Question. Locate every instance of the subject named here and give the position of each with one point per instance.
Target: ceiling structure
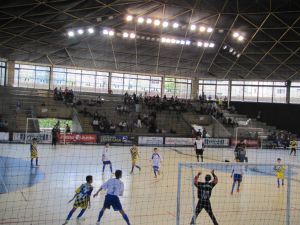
(36, 31)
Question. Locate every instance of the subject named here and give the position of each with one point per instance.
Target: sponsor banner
(144, 140)
(115, 139)
(77, 138)
(216, 142)
(41, 137)
(179, 141)
(4, 136)
(249, 143)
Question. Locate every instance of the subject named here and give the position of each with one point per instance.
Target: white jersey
(106, 154)
(156, 159)
(114, 186)
(238, 169)
(199, 143)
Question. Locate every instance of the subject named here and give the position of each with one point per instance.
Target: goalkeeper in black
(204, 193)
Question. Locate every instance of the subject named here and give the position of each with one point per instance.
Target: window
(143, 85)
(130, 83)
(170, 87)
(295, 92)
(88, 81)
(2, 73)
(182, 88)
(265, 93)
(213, 88)
(155, 86)
(59, 77)
(279, 94)
(250, 93)
(237, 93)
(102, 82)
(117, 83)
(31, 76)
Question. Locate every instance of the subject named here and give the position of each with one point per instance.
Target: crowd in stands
(66, 95)
(3, 125)
(280, 139)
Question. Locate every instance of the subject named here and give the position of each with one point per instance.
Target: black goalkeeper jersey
(204, 190)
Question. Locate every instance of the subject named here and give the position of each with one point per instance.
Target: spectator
(204, 133)
(67, 128)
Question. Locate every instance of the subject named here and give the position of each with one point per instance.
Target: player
(279, 168)
(134, 157)
(156, 161)
(204, 193)
(34, 152)
(237, 174)
(115, 188)
(293, 145)
(82, 195)
(199, 147)
(106, 158)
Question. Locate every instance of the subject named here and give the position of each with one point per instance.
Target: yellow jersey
(293, 144)
(134, 152)
(279, 171)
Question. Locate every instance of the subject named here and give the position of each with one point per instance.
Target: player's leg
(282, 182)
(155, 171)
(110, 166)
(291, 151)
(103, 167)
(70, 215)
(197, 155)
(201, 154)
(125, 217)
(37, 161)
(233, 184)
(100, 215)
(31, 162)
(278, 182)
(81, 213)
(238, 187)
(208, 209)
(132, 165)
(199, 207)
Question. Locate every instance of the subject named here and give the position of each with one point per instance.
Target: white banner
(179, 141)
(41, 137)
(216, 142)
(4, 136)
(143, 140)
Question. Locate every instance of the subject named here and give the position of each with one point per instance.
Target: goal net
(259, 200)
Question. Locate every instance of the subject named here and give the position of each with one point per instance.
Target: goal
(251, 205)
(253, 135)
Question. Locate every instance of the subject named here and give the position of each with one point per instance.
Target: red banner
(77, 138)
(249, 143)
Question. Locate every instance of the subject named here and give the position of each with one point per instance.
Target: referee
(199, 147)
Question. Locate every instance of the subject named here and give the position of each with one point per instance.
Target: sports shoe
(66, 222)
(79, 220)
(98, 223)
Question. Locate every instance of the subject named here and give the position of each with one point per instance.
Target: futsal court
(35, 196)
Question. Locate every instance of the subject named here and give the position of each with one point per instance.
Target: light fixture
(234, 53)
(91, 30)
(199, 44)
(156, 22)
(193, 27)
(149, 21)
(235, 34)
(202, 28)
(177, 41)
(105, 32)
(224, 47)
(71, 34)
(132, 35)
(205, 44)
(140, 20)
(231, 50)
(238, 55)
(163, 40)
(187, 42)
(125, 35)
(168, 40)
(165, 24)
(129, 18)
(182, 42)
(173, 41)
(175, 25)
(209, 29)
(111, 33)
(80, 31)
(240, 38)
(211, 45)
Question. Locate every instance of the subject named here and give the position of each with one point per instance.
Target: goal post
(279, 206)
(249, 133)
(34, 120)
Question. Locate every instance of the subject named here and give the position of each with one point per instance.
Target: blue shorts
(114, 201)
(237, 177)
(106, 162)
(155, 168)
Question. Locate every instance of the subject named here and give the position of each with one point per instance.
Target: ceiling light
(140, 20)
(193, 27)
(175, 25)
(209, 29)
(211, 45)
(238, 55)
(149, 21)
(240, 38)
(125, 35)
(148, 38)
(205, 44)
(168, 40)
(187, 42)
(132, 35)
(105, 32)
(235, 34)
(80, 31)
(173, 41)
(225, 46)
(199, 44)
(234, 53)
(71, 34)
(156, 22)
(202, 28)
(231, 50)
(129, 18)
(177, 41)
(153, 39)
(111, 33)
(91, 30)
(165, 24)
(182, 42)
(163, 40)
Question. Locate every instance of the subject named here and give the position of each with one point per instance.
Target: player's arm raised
(215, 181)
(197, 178)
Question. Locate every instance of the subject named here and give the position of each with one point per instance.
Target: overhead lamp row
(232, 51)
(203, 44)
(238, 36)
(166, 24)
